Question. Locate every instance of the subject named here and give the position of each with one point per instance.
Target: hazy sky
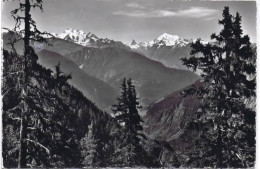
(142, 20)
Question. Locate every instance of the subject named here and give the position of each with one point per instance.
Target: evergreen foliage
(57, 119)
(226, 124)
(29, 33)
(129, 151)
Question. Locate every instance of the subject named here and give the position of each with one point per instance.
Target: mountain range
(88, 39)
(152, 79)
(167, 49)
(98, 71)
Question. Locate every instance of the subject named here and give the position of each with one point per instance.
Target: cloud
(197, 12)
(145, 14)
(193, 12)
(135, 5)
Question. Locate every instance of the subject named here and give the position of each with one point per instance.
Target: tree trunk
(22, 147)
(219, 149)
(27, 34)
(27, 30)
(160, 156)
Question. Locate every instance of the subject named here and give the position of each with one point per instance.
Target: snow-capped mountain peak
(88, 39)
(93, 36)
(165, 39)
(77, 36)
(168, 40)
(134, 45)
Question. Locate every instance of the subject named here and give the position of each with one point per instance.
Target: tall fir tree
(50, 139)
(28, 34)
(126, 113)
(46, 125)
(226, 123)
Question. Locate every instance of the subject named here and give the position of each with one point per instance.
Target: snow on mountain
(77, 36)
(165, 39)
(134, 45)
(88, 39)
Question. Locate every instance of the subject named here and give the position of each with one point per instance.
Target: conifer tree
(61, 77)
(226, 124)
(50, 122)
(126, 113)
(134, 119)
(120, 110)
(28, 34)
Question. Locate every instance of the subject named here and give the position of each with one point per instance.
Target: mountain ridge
(88, 39)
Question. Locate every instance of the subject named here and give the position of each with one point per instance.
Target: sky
(139, 20)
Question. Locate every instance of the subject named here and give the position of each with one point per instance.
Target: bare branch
(12, 151)
(15, 118)
(15, 108)
(39, 144)
(39, 5)
(31, 128)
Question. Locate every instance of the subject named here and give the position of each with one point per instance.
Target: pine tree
(50, 123)
(134, 120)
(120, 110)
(126, 113)
(226, 123)
(61, 77)
(28, 35)
(45, 125)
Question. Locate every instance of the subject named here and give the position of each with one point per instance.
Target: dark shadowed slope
(167, 118)
(93, 88)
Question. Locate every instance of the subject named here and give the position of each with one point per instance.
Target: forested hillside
(62, 127)
(58, 115)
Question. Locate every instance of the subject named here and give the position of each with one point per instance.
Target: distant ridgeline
(62, 127)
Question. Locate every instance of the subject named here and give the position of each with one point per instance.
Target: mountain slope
(111, 64)
(91, 87)
(166, 119)
(167, 55)
(152, 79)
(96, 90)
